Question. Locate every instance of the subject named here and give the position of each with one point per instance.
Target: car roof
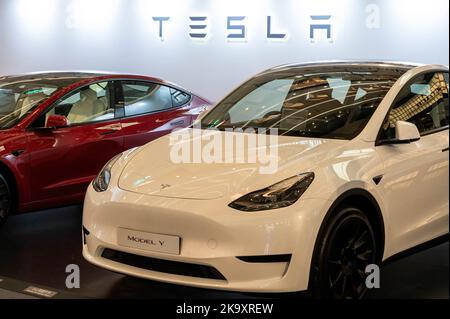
(67, 78)
(76, 75)
(391, 69)
(349, 63)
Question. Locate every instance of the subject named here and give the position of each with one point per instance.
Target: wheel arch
(363, 200)
(8, 174)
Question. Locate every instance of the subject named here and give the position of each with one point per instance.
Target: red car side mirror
(54, 121)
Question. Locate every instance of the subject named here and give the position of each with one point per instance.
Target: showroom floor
(36, 248)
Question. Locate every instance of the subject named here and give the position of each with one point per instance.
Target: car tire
(345, 247)
(6, 199)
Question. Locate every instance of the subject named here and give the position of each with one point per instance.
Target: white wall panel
(121, 35)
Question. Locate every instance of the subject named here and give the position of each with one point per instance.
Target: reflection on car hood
(152, 170)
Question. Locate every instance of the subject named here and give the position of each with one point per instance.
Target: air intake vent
(164, 266)
(266, 258)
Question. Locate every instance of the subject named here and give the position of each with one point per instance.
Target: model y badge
(146, 241)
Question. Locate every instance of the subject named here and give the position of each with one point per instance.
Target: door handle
(115, 127)
(17, 153)
(445, 149)
(180, 122)
(109, 129)
(108, 132)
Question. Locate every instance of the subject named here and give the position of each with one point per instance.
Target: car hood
(155, 170)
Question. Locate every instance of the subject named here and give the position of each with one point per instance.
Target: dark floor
(36, 248)
(14, 295)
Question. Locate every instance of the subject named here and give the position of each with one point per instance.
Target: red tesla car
(57, 130)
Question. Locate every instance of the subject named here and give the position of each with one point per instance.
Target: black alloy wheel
(348, 247)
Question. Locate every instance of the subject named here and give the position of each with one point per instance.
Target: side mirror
(54, 121)
(406, 132)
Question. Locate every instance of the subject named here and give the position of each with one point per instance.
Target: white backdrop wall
(124, 36)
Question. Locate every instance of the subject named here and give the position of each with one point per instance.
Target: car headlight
(101, 182)
(282, 194)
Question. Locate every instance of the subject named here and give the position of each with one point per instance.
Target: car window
(179, 98)
(142, 98)
(423, 102)
(19, 99)
(89, 104)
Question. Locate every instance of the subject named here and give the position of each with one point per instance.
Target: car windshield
(330, 102)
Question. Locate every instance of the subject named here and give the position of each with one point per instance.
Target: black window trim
(119, 83)
(379, 141)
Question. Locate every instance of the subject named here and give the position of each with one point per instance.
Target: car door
(415, 179)
(66, 159)
(151, 110)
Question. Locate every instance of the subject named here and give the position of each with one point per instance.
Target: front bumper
(212, 235)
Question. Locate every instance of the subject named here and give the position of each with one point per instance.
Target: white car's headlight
(282, 194)
(101, 182)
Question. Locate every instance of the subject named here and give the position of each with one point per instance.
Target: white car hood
(152, 172)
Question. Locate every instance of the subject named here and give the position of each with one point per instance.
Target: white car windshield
(325, 102)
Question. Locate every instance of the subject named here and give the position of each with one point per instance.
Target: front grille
(164, 266)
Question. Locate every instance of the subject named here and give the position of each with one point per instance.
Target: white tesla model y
(297, 180)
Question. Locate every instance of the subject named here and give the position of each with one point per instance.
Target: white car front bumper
(215, 241)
